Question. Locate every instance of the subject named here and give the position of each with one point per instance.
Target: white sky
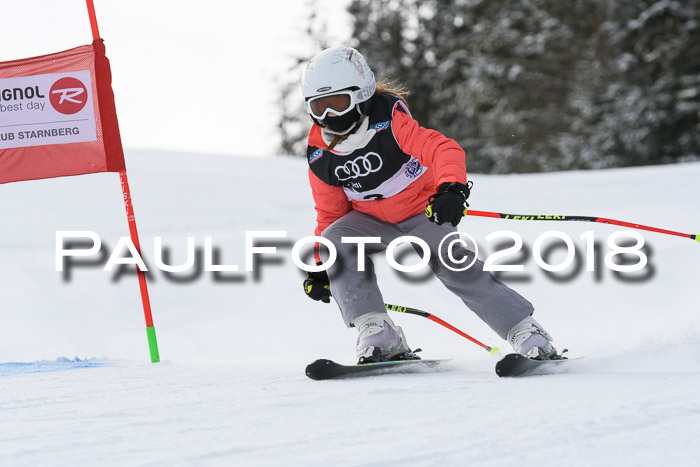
(195, 76)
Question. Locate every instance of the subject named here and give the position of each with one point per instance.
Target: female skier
(374, 172)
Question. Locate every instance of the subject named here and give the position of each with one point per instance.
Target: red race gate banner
(57, 116)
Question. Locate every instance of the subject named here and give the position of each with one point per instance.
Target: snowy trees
(649, 108)
(533, 85)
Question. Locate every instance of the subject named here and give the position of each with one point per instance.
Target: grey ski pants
(356, 292)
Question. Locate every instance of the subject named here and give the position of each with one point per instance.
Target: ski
(517, 365)
(327, 369)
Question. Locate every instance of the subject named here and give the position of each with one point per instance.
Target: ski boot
(380, 339)
(530, 340)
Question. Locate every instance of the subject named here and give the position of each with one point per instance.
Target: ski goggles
(339, 103)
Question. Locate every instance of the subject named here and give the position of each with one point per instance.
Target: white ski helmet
(337, 69)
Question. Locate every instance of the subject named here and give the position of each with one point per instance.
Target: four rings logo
(359, 167)
(68, 95)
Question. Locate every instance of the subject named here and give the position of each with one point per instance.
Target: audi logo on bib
(359, 167)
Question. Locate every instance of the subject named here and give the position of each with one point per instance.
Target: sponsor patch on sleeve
(380, 126)
(413, 169)
(315, 155)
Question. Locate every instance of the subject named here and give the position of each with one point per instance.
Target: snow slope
(231, 388)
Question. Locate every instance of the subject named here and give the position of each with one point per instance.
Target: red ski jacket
(441, 160)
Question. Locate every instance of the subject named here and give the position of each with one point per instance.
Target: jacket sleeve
(432, 149)
(331, 202)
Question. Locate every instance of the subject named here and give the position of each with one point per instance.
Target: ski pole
(602, 220)
(425, 314)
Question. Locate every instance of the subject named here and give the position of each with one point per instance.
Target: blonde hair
(391, 86)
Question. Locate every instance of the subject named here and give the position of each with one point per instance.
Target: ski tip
(495, 351)
(316, 369)
(696, 238)
(503, 367)
(518, 365)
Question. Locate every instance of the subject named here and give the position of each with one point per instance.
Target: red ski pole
(601, 220)
(425, 314)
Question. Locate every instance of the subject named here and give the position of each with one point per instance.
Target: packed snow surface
(77, 388)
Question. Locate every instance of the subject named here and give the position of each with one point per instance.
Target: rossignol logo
(46, 109)
(68, 95)
(18, 94)
(359, 167)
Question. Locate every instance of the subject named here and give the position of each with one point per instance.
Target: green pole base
(152, 344)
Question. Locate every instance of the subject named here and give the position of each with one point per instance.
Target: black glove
(317, 286)
(449, 204)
